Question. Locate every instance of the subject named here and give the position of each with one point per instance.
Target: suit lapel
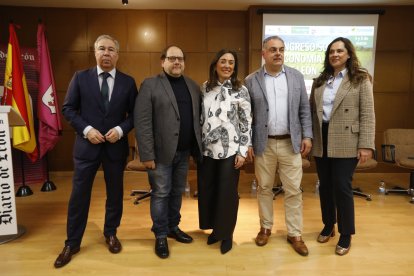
(342, 92)
(168, 90)
(117, 88)
(262, 83)
(94, 88)
(319, 101)
(289, 86)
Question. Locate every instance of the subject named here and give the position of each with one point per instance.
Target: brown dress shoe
(66, 255)
(263, 236)
(114, 245)
(323, 239)
(299, 245)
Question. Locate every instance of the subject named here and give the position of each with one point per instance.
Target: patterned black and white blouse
(226, 121)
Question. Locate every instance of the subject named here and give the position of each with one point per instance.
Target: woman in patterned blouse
(226, 135)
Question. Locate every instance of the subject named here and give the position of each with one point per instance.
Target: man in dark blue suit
(99, 105)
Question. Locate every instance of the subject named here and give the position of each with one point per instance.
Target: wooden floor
(383, 244)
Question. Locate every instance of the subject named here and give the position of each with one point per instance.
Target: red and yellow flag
(17, 95)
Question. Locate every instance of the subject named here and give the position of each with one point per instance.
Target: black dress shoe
(161, 248)
(114, 245)
(65, 256)
(180, 236)
(211, 239)
(226, 246)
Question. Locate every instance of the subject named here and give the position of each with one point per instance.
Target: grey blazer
(157, 119)
(300, 124)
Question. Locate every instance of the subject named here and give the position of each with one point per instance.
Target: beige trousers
(279, 155)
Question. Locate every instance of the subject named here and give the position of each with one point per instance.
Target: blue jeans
(167, 184)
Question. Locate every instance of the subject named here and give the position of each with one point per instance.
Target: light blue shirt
(329, 94)
(277, 97)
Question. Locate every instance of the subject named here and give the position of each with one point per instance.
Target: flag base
(48, 186)
(24, 191)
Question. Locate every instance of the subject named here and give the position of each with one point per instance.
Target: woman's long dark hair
(213, 77)
(355, 72)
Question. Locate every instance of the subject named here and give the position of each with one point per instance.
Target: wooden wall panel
(392, 71)
(392, 110)
(72, 37)
(255, 60)
(135, 64)
(155, 64)
(147, 31)
(111, 22)
(65, 64)
(393, 29)
(61, 158)
(226, 30)
(196, 66)
(187, 30)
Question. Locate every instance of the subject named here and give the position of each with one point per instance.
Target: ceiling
(191, 4)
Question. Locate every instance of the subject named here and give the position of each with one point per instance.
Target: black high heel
(226, 246)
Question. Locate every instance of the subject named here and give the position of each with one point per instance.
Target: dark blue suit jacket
(83, 106)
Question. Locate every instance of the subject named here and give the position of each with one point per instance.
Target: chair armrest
(133, 152)
(388, 150)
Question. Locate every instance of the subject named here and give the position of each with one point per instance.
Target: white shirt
(329, 94)
(111, 81)
(277, 97)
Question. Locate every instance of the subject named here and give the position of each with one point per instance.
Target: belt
(279, 137)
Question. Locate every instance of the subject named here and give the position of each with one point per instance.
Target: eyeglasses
(173, 58)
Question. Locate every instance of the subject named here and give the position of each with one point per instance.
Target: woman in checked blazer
(343, 122)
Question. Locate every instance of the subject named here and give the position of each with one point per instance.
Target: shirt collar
(112, 72)
(341, 75)
(267, 74)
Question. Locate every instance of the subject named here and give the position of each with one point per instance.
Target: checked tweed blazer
(352, 122)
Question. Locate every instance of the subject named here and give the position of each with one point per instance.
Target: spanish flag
(17, 95)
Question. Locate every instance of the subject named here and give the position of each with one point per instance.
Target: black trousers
(335, 188)
(218, 199)
(83, 178)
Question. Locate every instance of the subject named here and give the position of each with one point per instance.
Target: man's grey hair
(105, 36)
(267, 39)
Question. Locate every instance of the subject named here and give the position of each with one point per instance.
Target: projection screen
(307, 36)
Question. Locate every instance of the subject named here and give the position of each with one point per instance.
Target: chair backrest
(403, 139)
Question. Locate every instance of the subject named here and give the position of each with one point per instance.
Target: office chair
(136, 165)
(370, 164)
(398, 149)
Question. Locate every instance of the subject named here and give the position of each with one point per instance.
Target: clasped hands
(95, 137)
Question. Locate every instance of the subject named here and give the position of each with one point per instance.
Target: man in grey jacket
(167, 129)
(282, 133)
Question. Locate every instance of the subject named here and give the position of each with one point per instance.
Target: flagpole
(48, 186)
(24, 190)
